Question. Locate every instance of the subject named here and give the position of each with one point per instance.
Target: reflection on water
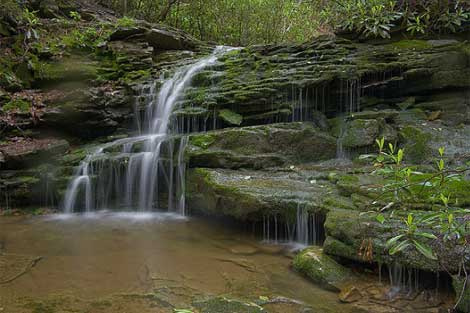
(94, 258)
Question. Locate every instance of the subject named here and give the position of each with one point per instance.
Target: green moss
(17, 105)
(411, 44)
(321, 269)
(135, 76)
(71, 69)
(416, 146)
(126, 22)
(202, 141)
(230, 117)
(360, 133)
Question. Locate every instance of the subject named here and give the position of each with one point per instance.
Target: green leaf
(426, 235)
(425, 250)
(409, 220)
(441, 151)
(400, 155)
(400, 247)
(380, 218)
(393, 240)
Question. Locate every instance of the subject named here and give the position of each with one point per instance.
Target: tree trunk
(166, 10)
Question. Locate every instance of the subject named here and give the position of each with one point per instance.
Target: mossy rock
(416, 144)
(411, 44)
(360, 133)
(251, 146)
(321, 269)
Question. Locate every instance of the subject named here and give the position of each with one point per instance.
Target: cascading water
(131, 172)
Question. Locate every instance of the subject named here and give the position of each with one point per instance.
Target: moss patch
(411, 44)
(230, 117)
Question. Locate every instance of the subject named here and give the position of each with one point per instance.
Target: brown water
(145, 263)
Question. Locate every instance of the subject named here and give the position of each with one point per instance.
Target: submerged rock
(322, 269)
(222, 304)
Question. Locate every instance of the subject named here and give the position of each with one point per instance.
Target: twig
(24, 271)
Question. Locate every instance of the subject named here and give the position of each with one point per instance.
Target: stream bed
(149, 262)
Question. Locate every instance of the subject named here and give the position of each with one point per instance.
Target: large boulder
(167, 40)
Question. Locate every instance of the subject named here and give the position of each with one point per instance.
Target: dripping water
(306, 229)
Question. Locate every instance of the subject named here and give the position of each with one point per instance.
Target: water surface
(143, 262)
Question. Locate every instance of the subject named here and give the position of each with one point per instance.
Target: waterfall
(132, 172)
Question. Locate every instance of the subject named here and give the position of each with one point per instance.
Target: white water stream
(131, 173)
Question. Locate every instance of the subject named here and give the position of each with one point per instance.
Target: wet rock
(220, 304)
(387, 115)
(27, 152)
(322, 269)
(248, 195)
(261, 146)
(350, 294)
(360, 133)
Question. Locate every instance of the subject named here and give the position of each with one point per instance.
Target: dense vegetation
(243, 22)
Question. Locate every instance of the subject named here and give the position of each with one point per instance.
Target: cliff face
(277, 118)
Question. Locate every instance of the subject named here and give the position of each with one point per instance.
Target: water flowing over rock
(134, 172)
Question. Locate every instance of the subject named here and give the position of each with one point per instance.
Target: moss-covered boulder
(322, 269)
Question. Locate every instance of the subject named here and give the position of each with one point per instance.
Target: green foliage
(407, 186)
(372, 18)
(75, 16)
(232, 22)
(378, 18)
(85, 39)
(411, 237)
(10, 8)
(17, 105)
(126, 22)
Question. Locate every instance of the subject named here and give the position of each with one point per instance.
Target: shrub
(378, 18)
